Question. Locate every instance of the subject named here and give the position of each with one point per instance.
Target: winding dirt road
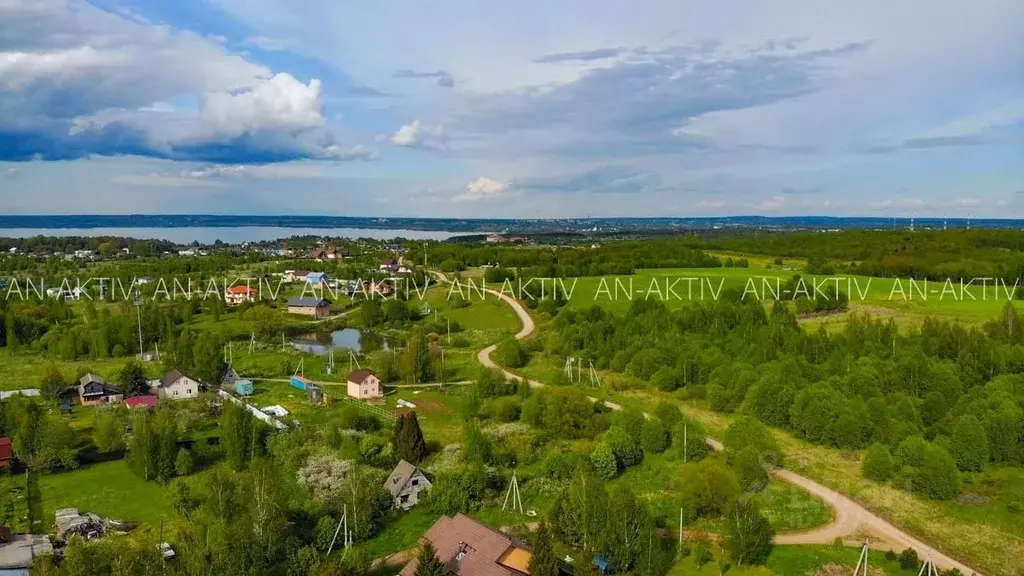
(849, 519)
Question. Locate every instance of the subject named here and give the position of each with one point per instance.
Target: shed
(243, 387)
(301, 382)
(144, 401)
(6, 454)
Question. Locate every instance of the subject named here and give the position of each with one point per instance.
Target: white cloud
(418, 135)
(76, 80)
(280, 103)
(482, 188)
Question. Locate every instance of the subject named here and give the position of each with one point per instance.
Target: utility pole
(685, 451)
(138, 309)
(680, 528)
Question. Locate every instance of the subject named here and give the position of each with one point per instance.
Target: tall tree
(628, 529)
(748, 534)
(969, 444)
(543, 561)
(133, 379)
(408, 438)
(237, 435)
(53, 382)
(580, 513)
(427, 563)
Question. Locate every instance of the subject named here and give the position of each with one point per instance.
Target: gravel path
(849, 519)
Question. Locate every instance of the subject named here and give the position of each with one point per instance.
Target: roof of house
(147, 401)
(5, 448)
(90, 377)
(300, 272)
(308, 302)
(240, 290)
(359, 375)
(400, 477)
(468, 547)
(389, 262)
(171, 377)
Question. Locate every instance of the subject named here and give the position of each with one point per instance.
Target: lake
(348, 338)
(236, 235)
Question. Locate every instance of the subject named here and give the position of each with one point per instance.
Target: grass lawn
(14, 502)
(908, 304)
(791, 560)
(401, 532)
(25, 368)
(109, 489)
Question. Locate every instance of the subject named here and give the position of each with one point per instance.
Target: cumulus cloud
(418, 135)
(482, 188)
(53, 106)
(280, 103)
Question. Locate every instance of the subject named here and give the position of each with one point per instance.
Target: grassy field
(905, 301)
(25, 369)
(14, 502)
(109, 489)
(791, 560)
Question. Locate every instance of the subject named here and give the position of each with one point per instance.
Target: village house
(93, 389)
(317, 278)
(363, 384)
(468, 548)
(405, 484)
(237, 295)
(177, 386)
(328, 254)
(383, 288)
(6, 453)
(147, 401)
(308, 306)
(294, 275)
(389, 265)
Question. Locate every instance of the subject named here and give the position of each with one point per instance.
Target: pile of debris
(69, 522)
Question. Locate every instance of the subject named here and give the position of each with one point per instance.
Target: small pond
(349, 338)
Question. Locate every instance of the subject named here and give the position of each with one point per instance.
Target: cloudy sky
(532, 108)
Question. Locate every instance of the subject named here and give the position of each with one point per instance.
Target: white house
(405, 484)
(177, 386)
(238, 295)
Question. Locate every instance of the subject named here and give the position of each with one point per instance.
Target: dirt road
(849, 519)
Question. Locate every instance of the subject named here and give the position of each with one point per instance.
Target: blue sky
(474, 108)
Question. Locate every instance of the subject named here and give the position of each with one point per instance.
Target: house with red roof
(238, 295)
(6, 453)
(469, 548)
(146, 401)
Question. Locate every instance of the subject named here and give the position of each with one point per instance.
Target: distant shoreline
(485, 225)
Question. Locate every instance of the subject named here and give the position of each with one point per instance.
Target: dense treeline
(550, 262)
(938, 398)
(931, 254)
(98, 244)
